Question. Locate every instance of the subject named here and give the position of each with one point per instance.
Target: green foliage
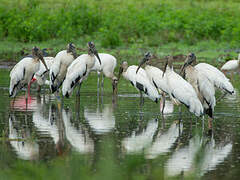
(117, 22)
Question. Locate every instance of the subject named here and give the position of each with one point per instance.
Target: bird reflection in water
(183, 161)
(20, 139)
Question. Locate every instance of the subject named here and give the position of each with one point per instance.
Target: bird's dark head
(146, 59)
(37, 53)
(190, 60)
(71, 48)
(168, 63)
(92, 50)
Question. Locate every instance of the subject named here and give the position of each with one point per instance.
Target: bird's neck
(90, 61)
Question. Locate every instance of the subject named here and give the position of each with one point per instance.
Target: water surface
(114, 136)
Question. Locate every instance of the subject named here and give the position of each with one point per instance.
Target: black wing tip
(53, 89)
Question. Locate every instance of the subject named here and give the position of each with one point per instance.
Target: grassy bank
(119, 22)
(125, 29)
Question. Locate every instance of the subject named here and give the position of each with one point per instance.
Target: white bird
(140, 81)
(23, 72)
(58, 69)
(202, 85)
(108, 64)
(180, 90)
(79, 70)
(101, 121)
(155, 76)
(231, 66)
(41, 75)
(20, 140)
(216, 77)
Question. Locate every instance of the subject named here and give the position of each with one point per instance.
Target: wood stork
(140, 81)
(23, 71)
(79, 70)
(180, 90)
(155, 75)
(202, 85)
(41, 76)
(231, 66)
(58, 69)
(107, 67)
(216, 77)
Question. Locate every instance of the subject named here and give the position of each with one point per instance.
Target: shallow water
(175, 144)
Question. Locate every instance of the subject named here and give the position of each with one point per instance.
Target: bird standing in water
(23, 72)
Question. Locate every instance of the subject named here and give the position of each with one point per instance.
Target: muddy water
(175, 144)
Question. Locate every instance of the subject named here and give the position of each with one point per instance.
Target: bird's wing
(184, 92)
(206, 89)
(230, 65)
(76, 71)
(216, 77)
(155, 75)
(17, 74)
(142, 83)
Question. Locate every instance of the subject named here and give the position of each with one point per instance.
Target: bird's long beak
(140, 64)
(165, 67)
(96, 54)
(183, 67)
(119, 73)
(44, 63)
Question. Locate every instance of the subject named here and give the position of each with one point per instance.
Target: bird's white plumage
(77, 72)
(108, 64)
(59, 67)
(202, 85)
(231, 65)
(41, 74)
(22, 73)
(183, 92)
(216, 77)
(155, 76)
(141, 79)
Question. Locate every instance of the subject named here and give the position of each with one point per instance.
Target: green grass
(126, 29)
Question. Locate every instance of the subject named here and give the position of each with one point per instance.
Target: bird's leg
(79, 87)
(98, 74)
(38, 88)
(102, 82)
(26, 97)
(221, 97)
(141, 99)
(231, 76)
(162, 103)
(114, 86)
(210, 125)
(202, 123)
